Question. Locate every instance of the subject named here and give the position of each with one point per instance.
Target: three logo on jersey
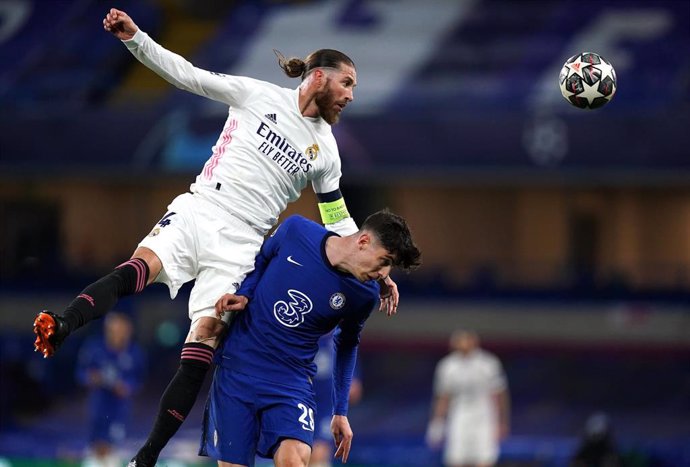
(290, 312)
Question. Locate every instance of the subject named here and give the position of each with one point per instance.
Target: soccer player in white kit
(471, 404)
(275, 141)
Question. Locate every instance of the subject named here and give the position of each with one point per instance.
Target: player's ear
(319, 78)
(363, 240)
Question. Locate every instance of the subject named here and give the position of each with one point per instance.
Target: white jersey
(470, 381)
(267, 152)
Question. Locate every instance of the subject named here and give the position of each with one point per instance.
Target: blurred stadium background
(562, 236)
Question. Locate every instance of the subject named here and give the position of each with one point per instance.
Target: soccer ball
(587, 81)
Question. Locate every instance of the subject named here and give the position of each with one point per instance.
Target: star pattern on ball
(591, 92)
(577, 65)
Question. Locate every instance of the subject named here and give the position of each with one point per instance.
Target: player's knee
(292, 453)
(207, 330)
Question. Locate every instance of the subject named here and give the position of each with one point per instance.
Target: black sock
(177, 401)
(98, 298)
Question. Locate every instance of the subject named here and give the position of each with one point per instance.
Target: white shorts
(471, 443)
(196, 239)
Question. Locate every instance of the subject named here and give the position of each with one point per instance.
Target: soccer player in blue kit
(307, 282)
(112, 367)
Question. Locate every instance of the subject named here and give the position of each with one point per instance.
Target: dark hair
(395, 236)
(294, 67)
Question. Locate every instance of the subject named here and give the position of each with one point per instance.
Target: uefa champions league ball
(587, 81)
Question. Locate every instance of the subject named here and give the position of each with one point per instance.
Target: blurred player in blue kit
(112, 368)
(321, 450)
(307, 282)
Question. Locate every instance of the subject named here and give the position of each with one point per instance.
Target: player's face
(118, 332)
(338, 92)
(375, 263)
(465, 342)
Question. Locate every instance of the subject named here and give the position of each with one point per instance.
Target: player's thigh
(471, 443)
(292, 453)
(287, 413)
(226, 255)
(231, 426)
(172, 242)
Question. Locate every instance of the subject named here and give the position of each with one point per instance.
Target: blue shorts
(246, 416)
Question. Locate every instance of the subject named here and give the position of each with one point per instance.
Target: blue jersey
(295, 297)
(108, 411)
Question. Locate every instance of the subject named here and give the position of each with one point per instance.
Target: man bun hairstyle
(395, 236)
(322, 58)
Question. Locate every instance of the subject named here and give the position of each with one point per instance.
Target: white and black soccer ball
(587, 81)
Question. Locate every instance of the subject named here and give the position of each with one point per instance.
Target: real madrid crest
(312, 152)
(337, 300)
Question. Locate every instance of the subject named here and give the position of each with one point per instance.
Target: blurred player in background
(112, 368)
(307, 282)
(471, 404)
(275, 141)
(322, 449)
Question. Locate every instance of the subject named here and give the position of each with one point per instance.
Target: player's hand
(119, 24)
(230, 302)
(389, 296)
(342, 435)
(435, 433)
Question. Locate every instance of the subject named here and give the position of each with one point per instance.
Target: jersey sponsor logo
(272, 117)
(290, 260)
(291, 313)
(337, 300)
(276, 147)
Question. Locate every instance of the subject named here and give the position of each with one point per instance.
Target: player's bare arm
(119, 24)
(230, 302)
(342, 435)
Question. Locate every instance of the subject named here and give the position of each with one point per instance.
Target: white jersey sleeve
(443, 384)
(231, 90)
(328, 179)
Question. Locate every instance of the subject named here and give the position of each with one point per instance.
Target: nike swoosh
(290, 260)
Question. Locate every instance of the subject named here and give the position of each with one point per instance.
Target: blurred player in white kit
(471, 404)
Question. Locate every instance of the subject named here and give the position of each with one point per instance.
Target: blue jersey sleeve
(269, 249)
(346, 342)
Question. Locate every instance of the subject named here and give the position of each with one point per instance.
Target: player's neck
(338, 251)
(307, 102)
